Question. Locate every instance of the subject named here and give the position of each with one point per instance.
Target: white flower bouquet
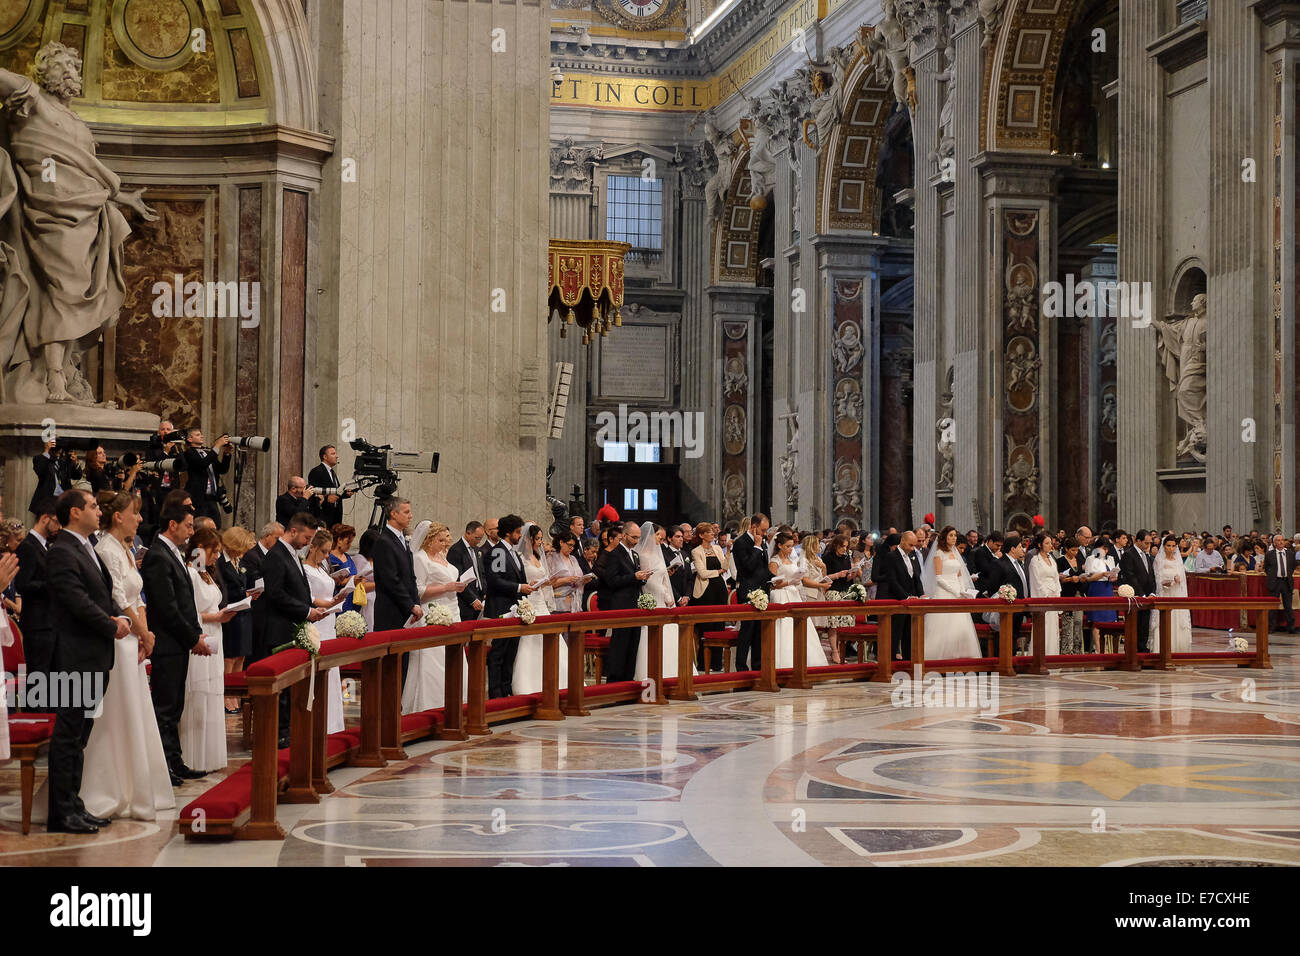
(1124, 591)
(438, 616)
(1237, 643)
(856, 592)
(1007, 593)
(305, 636)
(646, 602)
(758, 598)
(350, 624)
(527, 613)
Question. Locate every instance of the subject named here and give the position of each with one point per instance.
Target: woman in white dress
(1045, 582)
(944, 574)
(325, 594)
(527, 677)
(787, 584)
(813, 570)
(438, 582)
(125, 772)
(649, 549)
(203, 720)
(1171, 581)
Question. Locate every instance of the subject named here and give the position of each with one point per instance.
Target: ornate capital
(571, 166)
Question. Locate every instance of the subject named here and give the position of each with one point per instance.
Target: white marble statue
(1181, 344)
(762, 154)
(719, 184)
(829, 107)
(61, 235)
(890, 53)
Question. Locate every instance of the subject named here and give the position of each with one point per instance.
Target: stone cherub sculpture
(61, 235)
(1181, 344)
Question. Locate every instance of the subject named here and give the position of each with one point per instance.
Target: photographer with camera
(203, 466)
(56, 469)
(324, 479)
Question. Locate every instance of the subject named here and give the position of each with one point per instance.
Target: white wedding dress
(527, 678)
(322, 589)
(949, 636)
(1045, 582)
(659, 586)
(1171, 581)
(426, 675)
(203, 721)
(793, 594)
(125, 771)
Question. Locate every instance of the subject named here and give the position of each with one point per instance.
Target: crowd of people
(97, 592)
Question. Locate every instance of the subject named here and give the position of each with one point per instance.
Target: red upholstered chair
(13, 657)
(594, 648)
(1110, 634)
(724, 639)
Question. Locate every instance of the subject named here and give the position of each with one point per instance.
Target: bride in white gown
(437, 581)
(1045, 582)
(948, 636)
(650, 551)
(527, 678)
(786, 568)
(203, 719)
(1171, 581)
(125, 773)
(323, 595)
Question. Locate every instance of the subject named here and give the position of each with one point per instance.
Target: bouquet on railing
(350, 624)
(758, 598)
(856, 592)
(305, 636)
(646, 602)
(1124, 591)
(839, 620)
(1007, 593)
(1236, 643)
(525, 611)
(438, 616)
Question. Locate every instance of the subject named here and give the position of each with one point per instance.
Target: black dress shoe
(177, 781)
(92, 819)
(73, 824)
(185, 773)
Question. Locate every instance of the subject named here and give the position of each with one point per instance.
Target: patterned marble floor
(1193, 767)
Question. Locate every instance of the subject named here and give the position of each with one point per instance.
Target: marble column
(928, 331)
(700, 382)
(737, 488)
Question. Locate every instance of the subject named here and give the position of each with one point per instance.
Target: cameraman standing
(203, 466)
(56, 470)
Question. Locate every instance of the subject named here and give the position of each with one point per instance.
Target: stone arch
(847, 197)
(735, 237)
(1020, 82)
(289, 60)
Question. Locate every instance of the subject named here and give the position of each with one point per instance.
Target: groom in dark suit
(463, 555)
(900, 579)
(86, 622)
(1138, 572)
(506, 582)
(1011, 570)
(752, 574)
(397, 599)
(175, 622)
(622, 570)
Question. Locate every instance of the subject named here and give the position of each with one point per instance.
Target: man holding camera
(325, 478)
(56, 469)
(203, 466)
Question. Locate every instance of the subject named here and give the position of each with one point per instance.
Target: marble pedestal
(22, 437)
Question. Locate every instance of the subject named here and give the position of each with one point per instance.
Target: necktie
(636, 562)
(1281, 569)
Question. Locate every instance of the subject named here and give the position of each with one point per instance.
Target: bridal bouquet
(1236, 643)
(350, 624)
(646, 602)
(1124, 591)
(1007, 593)
(758, 598)
(527, 613)
(857, 592)
(438, 616)
(305, 636)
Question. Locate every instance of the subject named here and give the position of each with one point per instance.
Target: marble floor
(1199, 766)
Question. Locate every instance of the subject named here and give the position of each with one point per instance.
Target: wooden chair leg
(246, 721)
(27, 776)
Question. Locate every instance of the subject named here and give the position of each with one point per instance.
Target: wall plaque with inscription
(634, 363)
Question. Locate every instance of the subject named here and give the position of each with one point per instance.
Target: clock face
(638, 14)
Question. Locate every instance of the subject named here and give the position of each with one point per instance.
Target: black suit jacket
(900, 576)
(169, 599)
(503, 572)
(32, 584)
(1006, 574)
(1272, 582)
(752, 571)
(197, 462)
(252, 562)
(285, 603)
(1134, 572)
(461, 559)
(319, 477)
(47, 467)
(681, 578)
(983, 562)
(286, 506)
(395, 591)
(621, 580)
(82, 607)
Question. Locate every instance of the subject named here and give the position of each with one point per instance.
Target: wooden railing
(380, 656)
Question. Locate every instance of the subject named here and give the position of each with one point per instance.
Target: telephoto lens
(255, 442)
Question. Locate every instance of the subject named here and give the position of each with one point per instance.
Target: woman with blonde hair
(436, 581)
(237, 633)
(816, 581)
(325, 594)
